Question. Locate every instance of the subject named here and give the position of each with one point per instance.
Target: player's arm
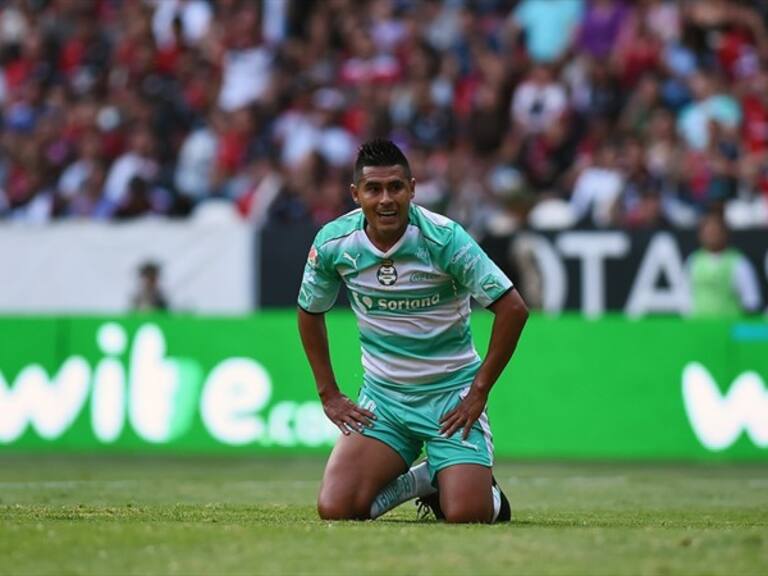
(510, 316)
(471, 267)
(747, 287)
(319, 288)
(340, 410)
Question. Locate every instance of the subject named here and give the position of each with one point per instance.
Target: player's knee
(333, 507)
(466, 513)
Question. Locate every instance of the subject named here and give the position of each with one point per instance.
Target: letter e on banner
(235, 391)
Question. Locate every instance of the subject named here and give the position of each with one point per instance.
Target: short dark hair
(149, 268)
(380, 152)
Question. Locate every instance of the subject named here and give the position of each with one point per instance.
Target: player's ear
(353, 191)
(413, 187)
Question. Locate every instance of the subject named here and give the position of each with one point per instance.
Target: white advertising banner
(91, 267)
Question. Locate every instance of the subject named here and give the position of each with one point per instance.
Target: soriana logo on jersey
(371, 304)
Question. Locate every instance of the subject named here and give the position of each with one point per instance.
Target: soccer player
(410, 274)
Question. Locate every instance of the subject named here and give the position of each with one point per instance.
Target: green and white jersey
(411, 302)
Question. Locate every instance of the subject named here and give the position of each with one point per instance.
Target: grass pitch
(97, 515)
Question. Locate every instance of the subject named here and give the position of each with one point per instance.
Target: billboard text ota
(656, 388)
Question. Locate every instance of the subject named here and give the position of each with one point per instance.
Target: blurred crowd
(530, 113)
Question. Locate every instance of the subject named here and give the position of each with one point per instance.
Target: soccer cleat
(505, 510)
(430, 503)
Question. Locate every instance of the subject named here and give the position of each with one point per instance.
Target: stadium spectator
(539, 102)
(247, 64)
(548, 27)
(544, 158)
(601, 26)
(89, 201)
(598, 188)
(138, 160)
(335, 143)
(723, 282)
(195, 168)
(88, 155)
(638, 50)
(487, 122)
(601, 96)
(194, 96)
(261, 185)
(640, 203)
(142, 199)
(640, 106)
(710, 104)
(193, 16)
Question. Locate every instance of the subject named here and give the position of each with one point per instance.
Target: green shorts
(408, 422)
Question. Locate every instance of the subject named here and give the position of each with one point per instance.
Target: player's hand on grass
(346, 414)
(464, 415)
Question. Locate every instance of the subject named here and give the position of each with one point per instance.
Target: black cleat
(505, 510)
(430, 503)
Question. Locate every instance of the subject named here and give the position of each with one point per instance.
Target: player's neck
(383, 240)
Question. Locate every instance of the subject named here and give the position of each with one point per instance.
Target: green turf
(88, 515)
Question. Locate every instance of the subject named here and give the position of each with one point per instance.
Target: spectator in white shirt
(538, 102)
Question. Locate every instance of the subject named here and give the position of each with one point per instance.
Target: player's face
(713, 235)
(384, 193)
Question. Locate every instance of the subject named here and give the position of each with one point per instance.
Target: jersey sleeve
(746, 285)
(473, 269)
(320, 283)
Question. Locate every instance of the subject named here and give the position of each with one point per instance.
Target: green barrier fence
(611, 388)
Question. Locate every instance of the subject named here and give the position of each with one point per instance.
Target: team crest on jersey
(387, 273)
(312, 258)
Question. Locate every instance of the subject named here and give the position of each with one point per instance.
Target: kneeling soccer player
(410, 274)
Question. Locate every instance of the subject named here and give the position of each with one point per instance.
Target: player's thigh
(442, 451)
(358, 469)
(465, 493)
